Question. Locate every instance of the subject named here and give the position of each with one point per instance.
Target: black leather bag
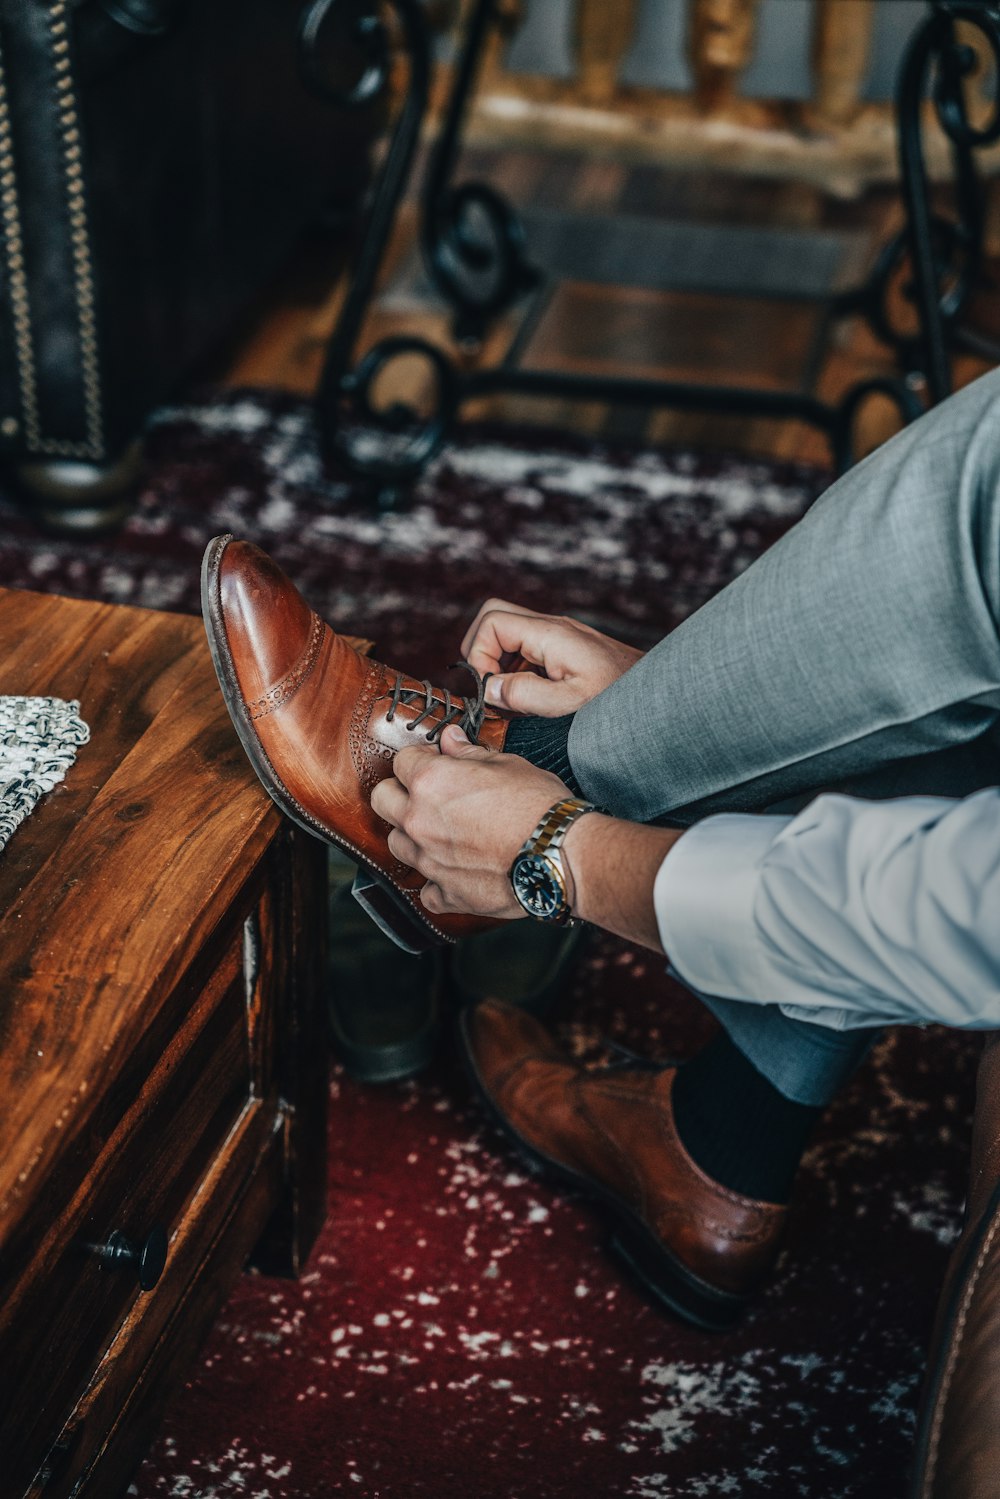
(157, 159)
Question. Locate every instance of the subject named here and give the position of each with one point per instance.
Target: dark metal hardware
(319, 41)
(337, 383)
(474, 251)
(145, 17)
(472, 241)
(146, 1259)
(946, 254)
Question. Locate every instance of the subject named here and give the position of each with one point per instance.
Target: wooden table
(162, 1058)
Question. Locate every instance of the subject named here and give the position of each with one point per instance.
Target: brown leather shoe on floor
(696, 1246)
(321, 723)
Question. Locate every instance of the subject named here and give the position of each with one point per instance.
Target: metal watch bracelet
(545, 843)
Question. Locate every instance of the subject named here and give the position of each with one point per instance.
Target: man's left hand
(460, 816)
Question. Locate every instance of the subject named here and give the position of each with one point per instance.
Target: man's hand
(459, 817)
(578, 662)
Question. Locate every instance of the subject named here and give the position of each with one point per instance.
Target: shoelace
(466, 712)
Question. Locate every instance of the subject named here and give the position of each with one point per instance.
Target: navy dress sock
(544, 742)
(738, 1127)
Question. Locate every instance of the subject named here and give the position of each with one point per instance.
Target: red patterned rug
(460, 1330)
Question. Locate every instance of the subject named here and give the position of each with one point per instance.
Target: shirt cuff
(704, 897)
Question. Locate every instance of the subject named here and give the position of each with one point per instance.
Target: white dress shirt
(854, 913)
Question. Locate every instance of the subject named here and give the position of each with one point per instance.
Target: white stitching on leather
(17, 279)
(934, 1441)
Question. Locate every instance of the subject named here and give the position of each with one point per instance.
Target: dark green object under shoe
(526, 963)
(384, 1005)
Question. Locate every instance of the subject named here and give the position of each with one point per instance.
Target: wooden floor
(705, 337)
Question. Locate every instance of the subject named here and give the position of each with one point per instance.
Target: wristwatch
(537, 873)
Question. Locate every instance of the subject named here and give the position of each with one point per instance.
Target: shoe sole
(659, 1272)
(421, 935)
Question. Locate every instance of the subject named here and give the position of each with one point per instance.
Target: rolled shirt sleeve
(854, 913)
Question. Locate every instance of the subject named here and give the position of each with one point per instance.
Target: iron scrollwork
(937, 258)
(901, 393)
(474, 251)
(345, 398)
(368, 37)
(392, 443)
(472, 241)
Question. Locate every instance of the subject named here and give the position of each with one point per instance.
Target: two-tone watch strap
(550, 832)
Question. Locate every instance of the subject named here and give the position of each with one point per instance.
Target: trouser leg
(861, 650)
(807, 1063)
(867, 634)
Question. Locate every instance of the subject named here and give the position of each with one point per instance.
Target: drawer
(66, 1306)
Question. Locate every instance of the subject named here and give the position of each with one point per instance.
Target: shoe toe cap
(268, 624)
(515, 1061)
(499, 1034)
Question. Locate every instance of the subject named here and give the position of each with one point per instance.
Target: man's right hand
(577, 661)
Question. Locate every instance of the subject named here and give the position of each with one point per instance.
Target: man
(862, 653)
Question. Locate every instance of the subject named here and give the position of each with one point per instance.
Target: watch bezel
(555, 873)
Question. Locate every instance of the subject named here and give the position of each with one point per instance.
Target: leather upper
(615, 1127)
(326, 717)
(148, 197)
(958, 1445)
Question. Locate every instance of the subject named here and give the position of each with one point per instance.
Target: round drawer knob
(147, 1258)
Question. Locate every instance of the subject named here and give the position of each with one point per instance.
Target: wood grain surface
(112, 886)
(162, 1058)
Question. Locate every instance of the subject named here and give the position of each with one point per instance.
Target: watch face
(538, 887)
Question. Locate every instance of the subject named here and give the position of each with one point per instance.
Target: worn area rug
(460, 1330)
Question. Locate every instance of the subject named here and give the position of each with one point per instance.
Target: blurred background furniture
(157, 161)
(482, 257)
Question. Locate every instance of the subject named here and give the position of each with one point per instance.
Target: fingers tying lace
(466, 712)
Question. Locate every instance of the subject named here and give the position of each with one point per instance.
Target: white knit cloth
(39, 738)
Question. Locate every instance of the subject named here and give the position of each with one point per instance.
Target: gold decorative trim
(13, 244)
(83, 276)
(14, 254)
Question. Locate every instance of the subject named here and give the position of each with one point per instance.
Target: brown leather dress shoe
(696, 1246)
(958, 1427)
(321, 723)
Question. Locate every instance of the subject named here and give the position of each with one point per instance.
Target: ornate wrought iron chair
(936, 260)
(475, 254)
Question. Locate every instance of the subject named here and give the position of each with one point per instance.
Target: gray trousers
(862, 652)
